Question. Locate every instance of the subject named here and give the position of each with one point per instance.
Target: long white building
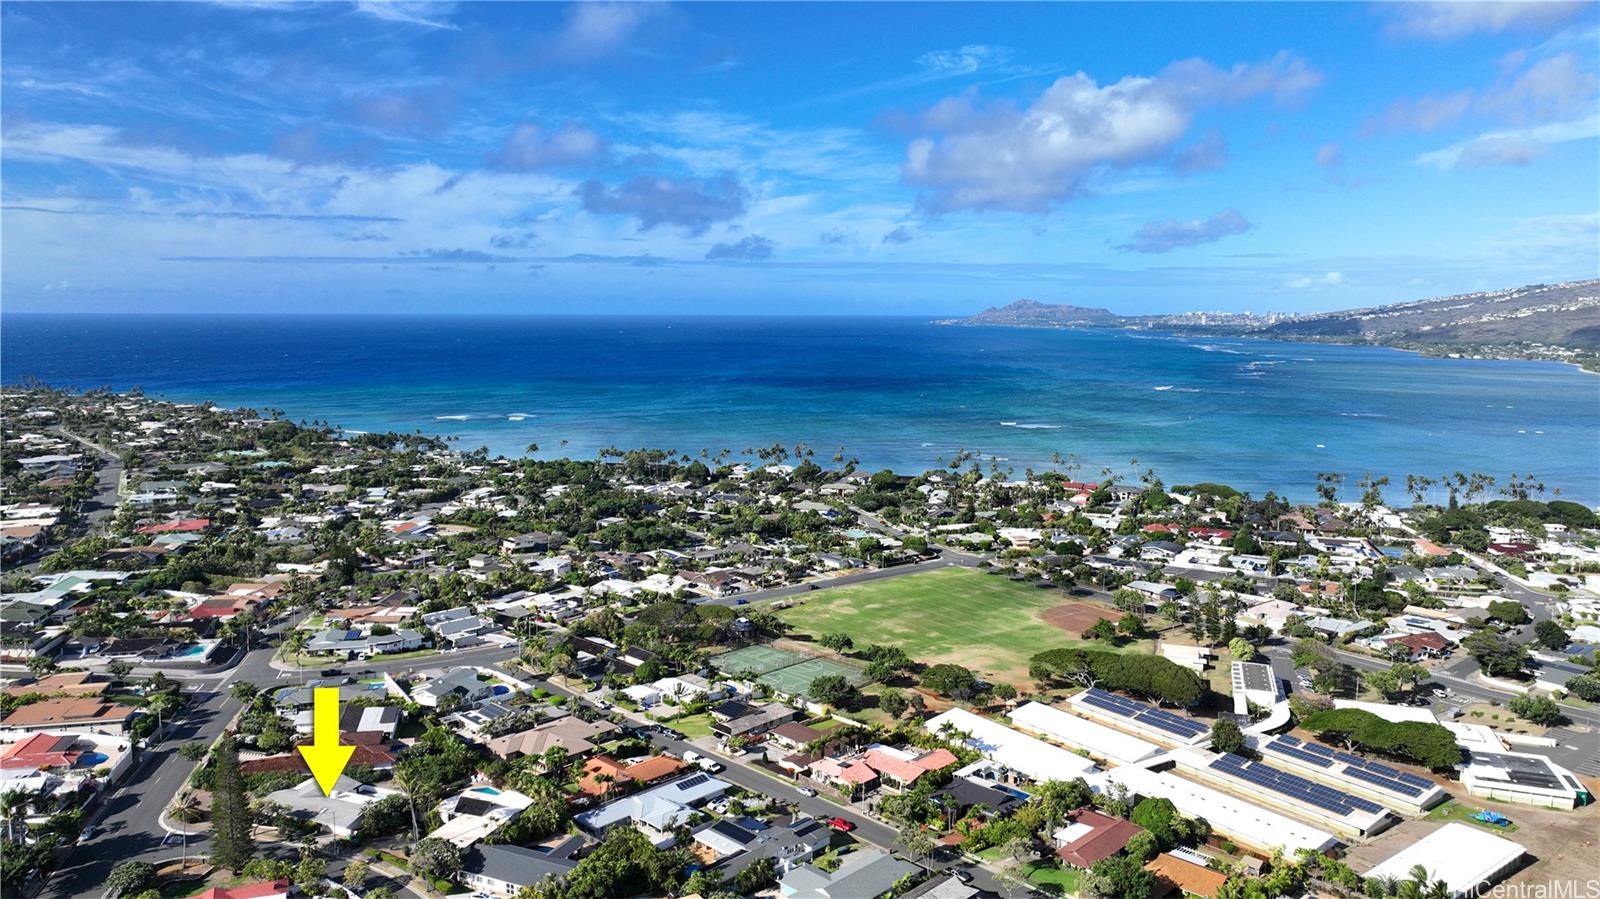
(1028, 756)
(1247, 824)
(1080, 733)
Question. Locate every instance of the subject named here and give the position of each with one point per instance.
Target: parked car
(961, 874)
(805, 791)
(88, 833)
(741, 601)
(840, 824)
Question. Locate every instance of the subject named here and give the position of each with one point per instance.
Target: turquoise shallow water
(894, 392)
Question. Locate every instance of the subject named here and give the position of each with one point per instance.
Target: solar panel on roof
(1390, 784)
(1293, 786)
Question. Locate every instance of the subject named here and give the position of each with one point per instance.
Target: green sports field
(988, 623)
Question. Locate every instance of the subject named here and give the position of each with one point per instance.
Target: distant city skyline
(895, 159)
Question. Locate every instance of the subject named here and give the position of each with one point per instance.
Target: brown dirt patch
(1562, 843)
(1077, 617)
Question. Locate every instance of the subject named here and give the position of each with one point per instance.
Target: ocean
(894, 393)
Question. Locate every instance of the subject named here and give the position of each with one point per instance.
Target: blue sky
(789, 158)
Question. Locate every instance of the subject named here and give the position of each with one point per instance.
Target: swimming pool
(199, 649)
(487, 791)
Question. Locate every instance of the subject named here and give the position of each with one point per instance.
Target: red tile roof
(1107, 838)
(41, 751)
(264, 890)
(1422, 641)
(182, 526)
(1192, 879)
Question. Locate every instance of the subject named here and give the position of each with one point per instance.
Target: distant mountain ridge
(1541, 320)
(1035, 313)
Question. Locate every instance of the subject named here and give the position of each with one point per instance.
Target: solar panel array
(1144, 713)
(693, 780)
(1375, 773)
(1293, 786)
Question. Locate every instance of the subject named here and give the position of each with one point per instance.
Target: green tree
(1496, 654)
(1540, 710)
(954, 681)
(1119, 877)
(1156, 815)
(1226, 736)
(231, 842)
(834, 690)
(893, 702)
(310, 871)
(131, 878)
(1240, 649)
(758, 875)
(436, 859)
(1508, 611)
(1585, 686)
(1551, 635)
(1142, 846)
(837, 642)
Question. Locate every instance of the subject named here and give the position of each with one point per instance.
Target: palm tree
(163, 705)
(186, 811)
(14, 806)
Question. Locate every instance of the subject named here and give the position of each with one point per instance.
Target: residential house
(573, 736)
(71, 714)
(1187, 878)
(506, 870)
(476, 812)
(1089, 836)
(462, 682)
(1426, 645)
(758, 721)
(865, 874)
(658, 810)
(338, 812)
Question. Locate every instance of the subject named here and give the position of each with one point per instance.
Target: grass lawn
(402, 656)
(986, 622)
(1456, 811)
(692, 726)
(1053, 875)
(178, 889)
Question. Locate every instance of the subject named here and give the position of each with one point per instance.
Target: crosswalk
(1591, 764)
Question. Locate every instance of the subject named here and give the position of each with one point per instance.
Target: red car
(840, 824)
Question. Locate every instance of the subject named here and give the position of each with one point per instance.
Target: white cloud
(600, 29)
(1330, 156)
(1428, 113)
(1550, 89)
(1510, 147)
(995, 156)
(1445, 21)
(1331, 279)
(969, 58)
(427, 15)
(528, 147)
(1164, 237)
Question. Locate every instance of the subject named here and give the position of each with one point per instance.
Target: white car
(805, 791)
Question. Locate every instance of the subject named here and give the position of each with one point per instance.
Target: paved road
(130, 816)
(742, 771)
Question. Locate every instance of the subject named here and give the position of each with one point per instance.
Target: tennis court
(797, 678)
(755, 660)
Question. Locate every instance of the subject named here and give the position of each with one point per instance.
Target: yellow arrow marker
(325, 757)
